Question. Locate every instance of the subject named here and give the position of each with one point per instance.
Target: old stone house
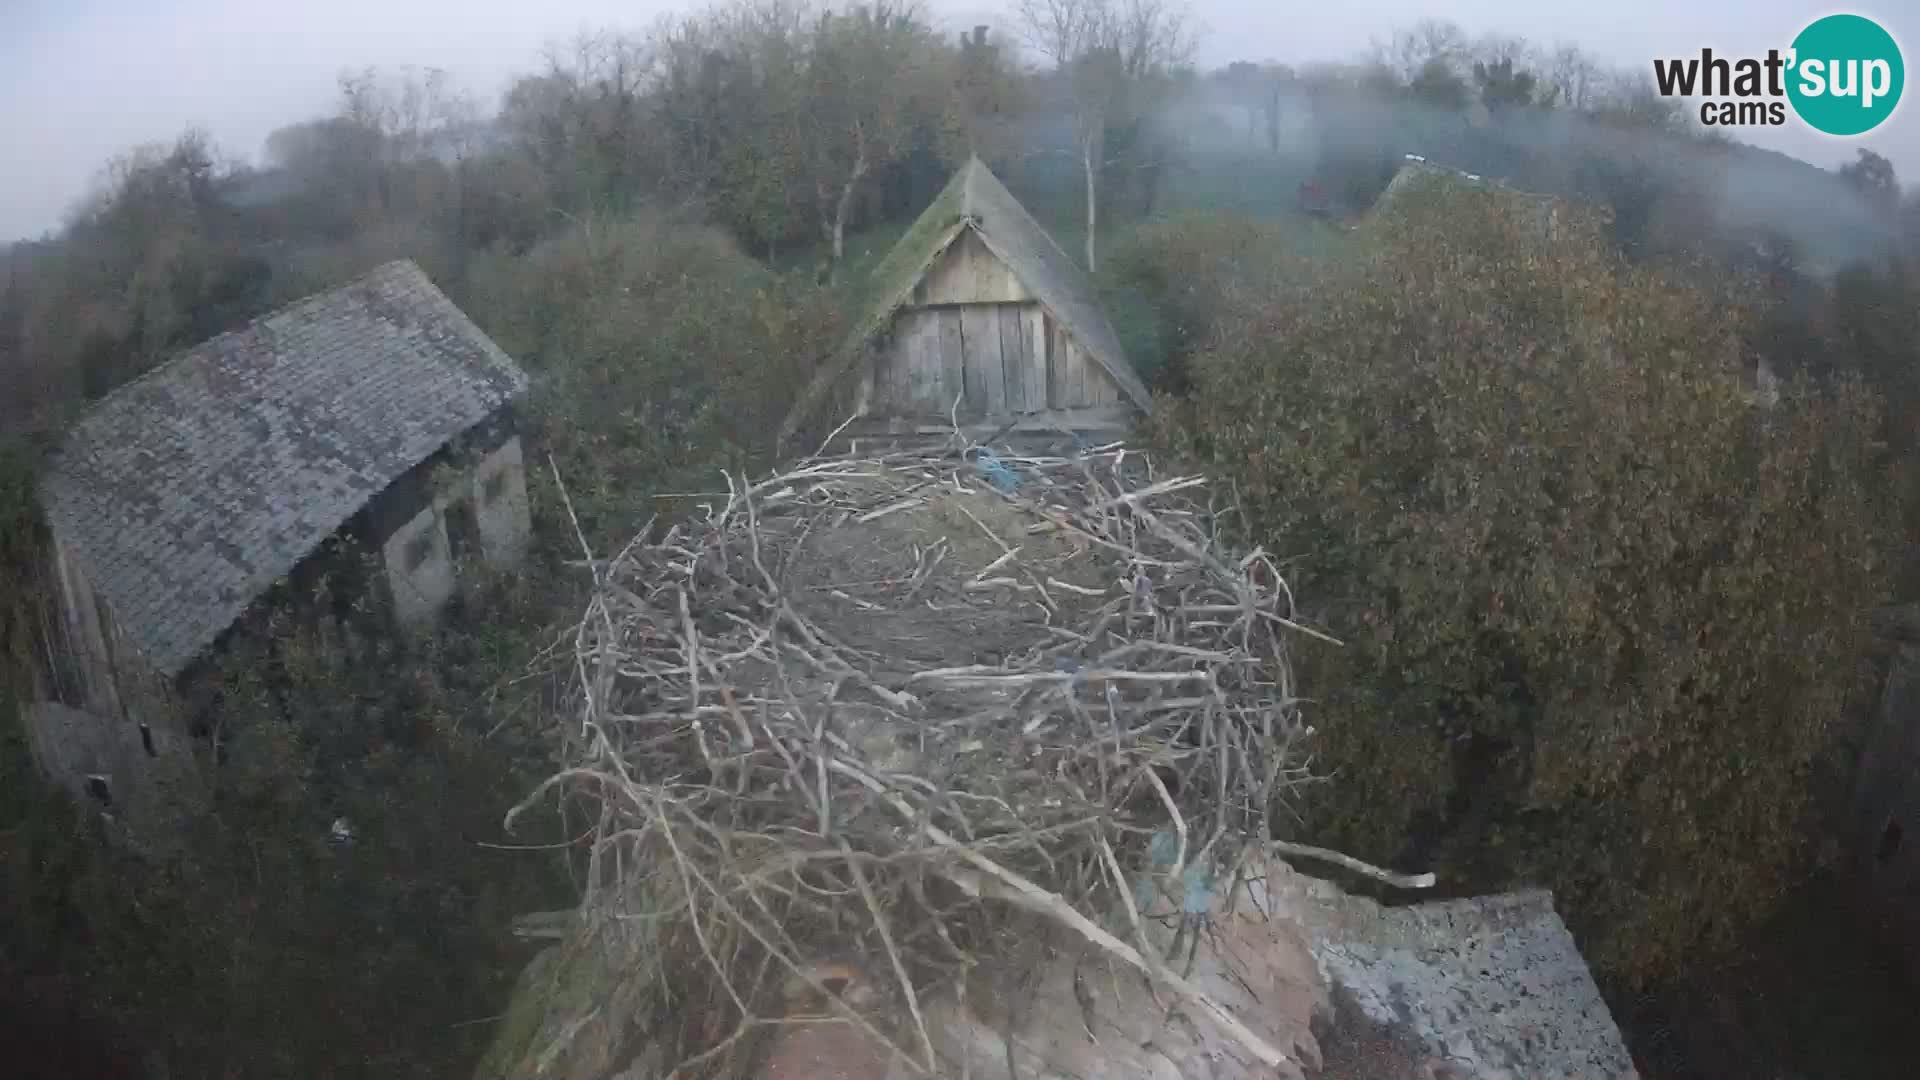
(977, 316)
(373, 422)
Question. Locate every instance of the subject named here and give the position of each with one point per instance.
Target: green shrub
(1168, 282)
(1600, 609)
(660, 351)
(254, 946)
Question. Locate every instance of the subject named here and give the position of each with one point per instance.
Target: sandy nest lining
(871, 710)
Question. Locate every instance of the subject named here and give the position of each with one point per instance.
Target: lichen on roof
(190, 491)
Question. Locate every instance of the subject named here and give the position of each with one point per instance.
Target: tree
(1244, 85)
(1109, 56)
(1409, 51)
(1440, 86)
(585, 122)
(1627, 101)
(1872, 176)
(1572, 77)
(1501, 86)
(1528, 482)
(1258, 90)
(871, 81)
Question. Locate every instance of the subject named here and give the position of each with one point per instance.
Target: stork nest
(871, 709)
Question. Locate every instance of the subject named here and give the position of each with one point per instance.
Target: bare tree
(1497, 49)
(1060, 30)
(1107, 54)
(869, 75)
(1873, 177)
(1572, 76)
(1413, 50)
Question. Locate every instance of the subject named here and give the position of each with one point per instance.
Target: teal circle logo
(1846, 75)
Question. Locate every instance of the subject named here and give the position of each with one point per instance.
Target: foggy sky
(82, 80)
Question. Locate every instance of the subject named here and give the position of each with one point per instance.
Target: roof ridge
(183, 354)
(969, 174)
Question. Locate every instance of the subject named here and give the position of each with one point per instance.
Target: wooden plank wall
(969, 273)
(1009, 359)
(1074, 379)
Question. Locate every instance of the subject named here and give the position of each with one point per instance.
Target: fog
(82, 80)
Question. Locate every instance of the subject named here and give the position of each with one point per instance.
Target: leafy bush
(255, 946)
(1167, 282)
(1600, 608)
(661, 352)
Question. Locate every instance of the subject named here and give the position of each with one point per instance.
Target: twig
(893, 953)
(1390, 877)
(737, 742)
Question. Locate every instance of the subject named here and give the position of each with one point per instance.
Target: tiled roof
(188, 492)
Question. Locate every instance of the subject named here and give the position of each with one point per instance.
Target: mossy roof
(976, 199)
(189, 491)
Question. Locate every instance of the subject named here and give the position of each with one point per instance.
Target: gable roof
(976, 199)
(188, 492)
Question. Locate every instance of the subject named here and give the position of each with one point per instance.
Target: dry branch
(825, 719)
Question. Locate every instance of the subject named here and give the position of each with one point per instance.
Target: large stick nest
(870, 709)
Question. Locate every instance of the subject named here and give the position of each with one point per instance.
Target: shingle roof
(976, 199)
(188, 492)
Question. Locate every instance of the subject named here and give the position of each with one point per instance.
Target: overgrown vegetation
(663, 353)
(264, 944)
(1601, 609)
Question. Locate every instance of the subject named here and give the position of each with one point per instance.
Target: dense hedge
(661, 354)
(259, 948)
(1600, 608)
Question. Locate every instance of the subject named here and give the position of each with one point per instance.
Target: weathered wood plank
(969, 273)
(894, 379)
(889, 381)
(1033, 341)
(1056, 390)
(866, 398)
(980, 328)
(1104, 390)
(953, 362)
(1068, 364)
(929, 369)
(886, 361)
(1013, 357)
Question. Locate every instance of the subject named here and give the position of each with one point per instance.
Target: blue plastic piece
(1197, 885)
(996, 471)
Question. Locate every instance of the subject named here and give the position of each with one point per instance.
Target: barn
(365, 434)
(977, 317)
